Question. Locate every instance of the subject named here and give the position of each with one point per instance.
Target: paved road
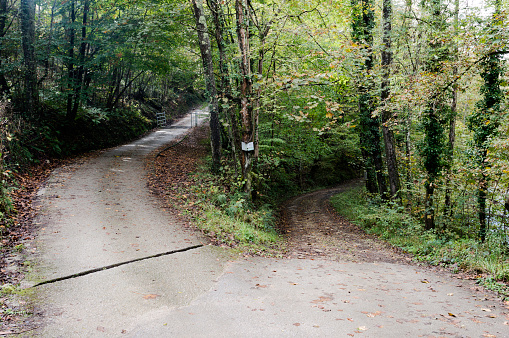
(99, 213)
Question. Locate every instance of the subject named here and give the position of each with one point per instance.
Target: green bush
(394, 224)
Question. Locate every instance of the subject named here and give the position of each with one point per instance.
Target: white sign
(247, 146)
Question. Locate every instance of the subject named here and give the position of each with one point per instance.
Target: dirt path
(315, 230)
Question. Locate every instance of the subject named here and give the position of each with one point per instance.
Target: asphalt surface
(99, 213)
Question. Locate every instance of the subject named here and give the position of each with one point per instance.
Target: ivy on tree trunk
(363, 23)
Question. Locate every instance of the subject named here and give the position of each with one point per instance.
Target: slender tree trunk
(429, 214)
(434, 149)
(390, 147)
(4, 12)
(27, 22)
(225, 91)
(363, 24)
(246, 108)
(208, 67)
(78, 92)
(452, 120)
(71, 75)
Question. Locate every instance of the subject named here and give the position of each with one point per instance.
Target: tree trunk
(363, 24)
(485, 120)
(4, 12)
(246, 108)
(27, 22)
(71, 74)
(78, 91)
(224, 91)
(208, 67)
(429, 213)
(452, 120)
(390, 147)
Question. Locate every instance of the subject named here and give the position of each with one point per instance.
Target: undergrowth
(489, 261)
(225, 215)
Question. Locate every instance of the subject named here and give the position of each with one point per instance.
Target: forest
(302, 95)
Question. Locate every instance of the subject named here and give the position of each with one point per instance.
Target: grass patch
(228, 218)
(489, 261)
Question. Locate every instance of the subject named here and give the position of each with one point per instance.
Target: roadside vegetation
(454, 247)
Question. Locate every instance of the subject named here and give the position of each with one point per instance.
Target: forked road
(99, 214)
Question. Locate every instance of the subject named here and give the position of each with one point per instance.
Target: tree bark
(452, 120)
(208, 67)
(225, 91)
(390, 147)
(363, 24)
(78, 90)
(27, 21)
(4, 12)
(71, 74)
(246, 108)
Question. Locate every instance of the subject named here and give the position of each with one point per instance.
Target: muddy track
(314, 229)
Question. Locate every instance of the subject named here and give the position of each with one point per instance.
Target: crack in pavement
(111, 266)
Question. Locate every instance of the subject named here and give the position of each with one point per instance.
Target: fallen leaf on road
(452, 314)
(150, 296)
(362, 328)
(486, 310)
(321, 299)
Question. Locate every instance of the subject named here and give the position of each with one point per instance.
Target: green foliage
(226, 215)
(393, 224)
(433, 148)
(491, 283)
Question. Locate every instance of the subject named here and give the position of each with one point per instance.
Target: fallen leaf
(150, 296)
(362, 328)
(486, 310)
(452, 314)
(296, 324)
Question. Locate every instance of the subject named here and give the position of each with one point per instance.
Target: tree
(363, 24)
(485, 120)
(390, 146)
(27, 22)
(208, 66)
(433, 148)
(245, 92)
(4, 12)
